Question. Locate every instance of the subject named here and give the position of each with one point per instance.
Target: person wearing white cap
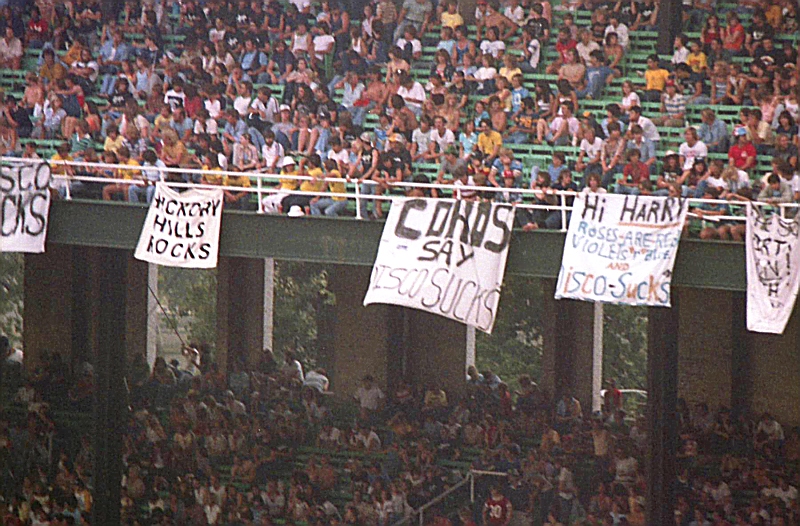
(272, 203)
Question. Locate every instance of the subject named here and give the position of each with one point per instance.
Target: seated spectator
(673, 107)
(655, 80)
(713, 132)
(611, 153)
(634, 174)
(742, 154)
(598, 76)
(563, 129)
(10, 50)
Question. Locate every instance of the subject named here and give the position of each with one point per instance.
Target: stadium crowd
(269, 446)
(331, 91)
(380, 93)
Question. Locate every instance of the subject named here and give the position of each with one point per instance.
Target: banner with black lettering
(443, 256)
(773, 259)
(182, 229)
(621, 249)
(25, 206)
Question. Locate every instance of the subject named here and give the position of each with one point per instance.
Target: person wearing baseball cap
(271, 204)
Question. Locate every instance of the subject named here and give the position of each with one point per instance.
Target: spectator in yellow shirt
(110, 190)
(451, 17)
(335, 205)
(237, 199)
(52, 69)
(272, 203)
(655, 79)
(62, 154)
(212, 169)
(696, 59)
(114, 141)
(315, 184)
(489, 141)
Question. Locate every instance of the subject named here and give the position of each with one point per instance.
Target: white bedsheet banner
(773, 257)
(24, 206)
(621, 249)
(182, 229)
(443, 256)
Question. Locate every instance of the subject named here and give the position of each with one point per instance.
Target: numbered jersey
(497, 511)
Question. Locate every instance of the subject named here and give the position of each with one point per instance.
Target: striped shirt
(675, 105)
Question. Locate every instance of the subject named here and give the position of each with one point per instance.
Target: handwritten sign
(24, 207)
(182, 230)
(773, 257)
(621, 249)
(443, 256)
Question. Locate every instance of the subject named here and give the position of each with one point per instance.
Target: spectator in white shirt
(10, 50)
(620, 29)
(681, 51)
(369, 396)
(412, 93)
(692, 149)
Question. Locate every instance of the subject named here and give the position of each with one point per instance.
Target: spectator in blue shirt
(182, 124)
(598, 75)
(112, 54)
(254, 62)
(645, 146)
(713, 132)
(234, 127)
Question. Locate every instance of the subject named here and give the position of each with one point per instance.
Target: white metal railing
(267, 184)
(470, 477)
(420, 512)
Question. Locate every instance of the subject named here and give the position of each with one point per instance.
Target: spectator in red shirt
(742, 154)
(564, 43)
(633, 175)
(38, 31)
(733, 34)
(497, 509)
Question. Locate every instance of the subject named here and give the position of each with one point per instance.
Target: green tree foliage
(191, 294)
(11, 296)
(515, 345)
(301, 295)
(625, 345)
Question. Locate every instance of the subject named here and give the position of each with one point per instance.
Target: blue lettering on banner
(620, 249)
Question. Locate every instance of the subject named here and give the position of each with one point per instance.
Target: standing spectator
(655, 80)
(369, 396)
(497, 510)
(415, 13)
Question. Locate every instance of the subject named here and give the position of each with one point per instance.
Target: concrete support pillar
(662, 386)
(109, 348)
(61, 303)
(364, 338)
(705, 345)
(244, 303)
(389, 342)
(775, 373)
(141, 321)
(436, 349)
(741, 375)
(568, 328)
(670, 15)
(48, 309)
